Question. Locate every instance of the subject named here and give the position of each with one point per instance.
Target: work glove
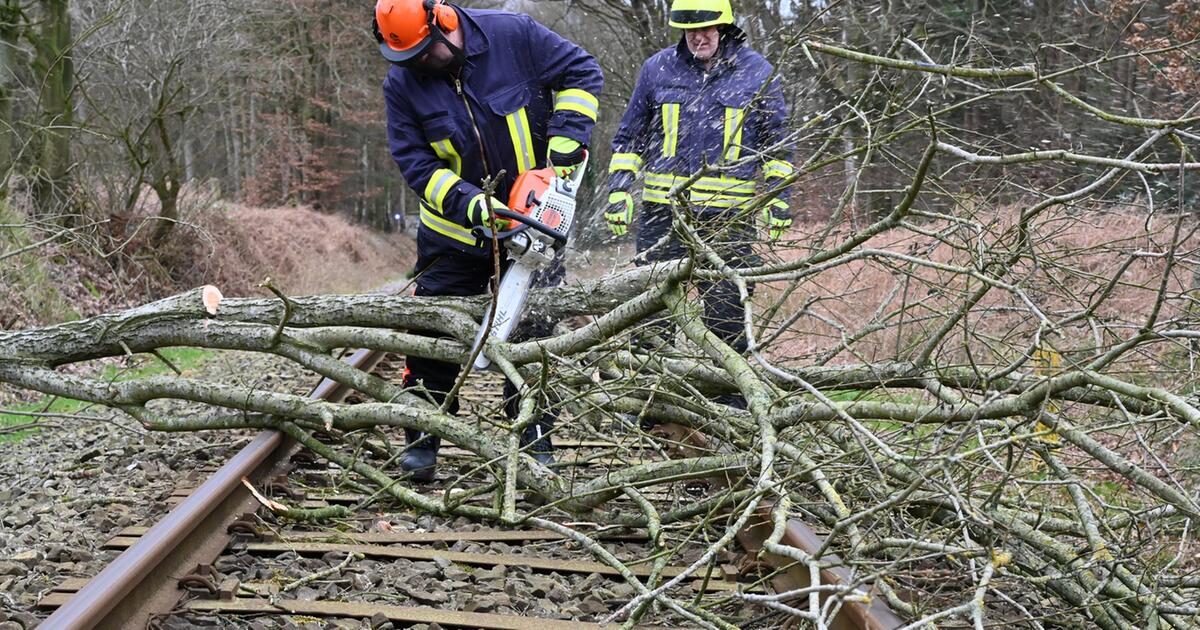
(620, 213)
(479, 214)
(776, 226)
(564, 155)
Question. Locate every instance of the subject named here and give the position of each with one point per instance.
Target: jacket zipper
(487, 170)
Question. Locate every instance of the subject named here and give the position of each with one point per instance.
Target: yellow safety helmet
(700, 13)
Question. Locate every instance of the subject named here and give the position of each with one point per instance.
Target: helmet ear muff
(442, 15)
(375, 30)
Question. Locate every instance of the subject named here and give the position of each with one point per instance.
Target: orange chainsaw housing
(528, 191)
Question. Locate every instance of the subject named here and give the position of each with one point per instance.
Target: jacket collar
(475, 40)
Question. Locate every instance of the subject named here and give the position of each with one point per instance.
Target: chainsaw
(540, 215)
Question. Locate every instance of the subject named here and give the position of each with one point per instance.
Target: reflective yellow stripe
(706, 195)
(440, 184)
(727, 185)
(781, 204)
(625, 162)
(715, 200)
(654, 194)
(657, 186)
(717, 192)
(445, 150)
(446, 228)
(650, 195)
(777, 168)
(661, 180)
(522, 141)
(670, 116)
(577, 101)
(733, 132)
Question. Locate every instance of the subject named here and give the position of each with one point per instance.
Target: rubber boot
(737, 401)
(420, 455)
(537, 437)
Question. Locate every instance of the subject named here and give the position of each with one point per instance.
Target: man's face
(436, 58)
(702, 42)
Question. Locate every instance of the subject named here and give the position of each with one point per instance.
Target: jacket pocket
(439, 127)
(669, 94)
(738, 98)
(510, 104)
(440, 133)
(509, 101)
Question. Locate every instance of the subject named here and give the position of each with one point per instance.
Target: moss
(26, 277)
(144, 365)
(91, 288)
(139, 366)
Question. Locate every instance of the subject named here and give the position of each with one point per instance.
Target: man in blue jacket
(472, 93)
(709, 100)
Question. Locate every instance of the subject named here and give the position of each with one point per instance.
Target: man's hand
(620, 213)
(776, 226)
(480, 215)
(564, 155)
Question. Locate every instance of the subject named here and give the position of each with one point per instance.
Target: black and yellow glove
(564, 155)
(620, 213)
(777, 225)
(479, 213)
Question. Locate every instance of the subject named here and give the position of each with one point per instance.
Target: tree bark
(11, 17)
(54, 68)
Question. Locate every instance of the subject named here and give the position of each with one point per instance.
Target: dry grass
(1076, 255)
(301, 250)
(232, 247)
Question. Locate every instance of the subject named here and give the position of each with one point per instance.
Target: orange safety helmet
(405, 27)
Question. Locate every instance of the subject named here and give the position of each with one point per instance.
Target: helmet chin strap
(435, 30)
(460, 55)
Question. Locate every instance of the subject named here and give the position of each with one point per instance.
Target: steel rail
(143, 580)
(788, 575)
(792, 576)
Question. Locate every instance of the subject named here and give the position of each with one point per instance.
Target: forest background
(137, 136)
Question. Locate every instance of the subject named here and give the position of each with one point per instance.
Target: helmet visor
(407, 55)
(687, 14)
(694, 16)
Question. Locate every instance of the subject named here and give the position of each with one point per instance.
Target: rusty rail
(143, 580)
(790, 575)
(793, 576)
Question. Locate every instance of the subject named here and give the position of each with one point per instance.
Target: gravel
(65, 491)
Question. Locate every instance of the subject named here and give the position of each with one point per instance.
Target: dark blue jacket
(521, 84)
(682, 116)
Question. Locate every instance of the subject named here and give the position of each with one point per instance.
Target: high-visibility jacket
(521, 84)
(682, 117)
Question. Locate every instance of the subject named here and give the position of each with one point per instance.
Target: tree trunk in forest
(10, 35)
(167, 171)
(55, 70)
(167, 190)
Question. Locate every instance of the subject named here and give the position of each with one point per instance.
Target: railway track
(221, 559)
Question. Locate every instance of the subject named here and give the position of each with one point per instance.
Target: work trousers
(463, 275)
(733, 240)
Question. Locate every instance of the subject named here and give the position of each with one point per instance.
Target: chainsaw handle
(527, 221)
